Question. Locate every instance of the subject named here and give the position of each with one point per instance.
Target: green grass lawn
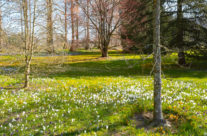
(88, 95)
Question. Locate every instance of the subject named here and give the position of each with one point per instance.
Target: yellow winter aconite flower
(180, 103)
(171, 117)
(20, 101)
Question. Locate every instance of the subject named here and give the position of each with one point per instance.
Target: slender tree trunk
(87, 28)
(72, 48)
(66, 27)
(77, 24)
(158, 116)
(27, 73)
(21, 17)
(50, 27)
(28, 37)
(77, 32)
(26, 41)
(1, 31)
(181, 54)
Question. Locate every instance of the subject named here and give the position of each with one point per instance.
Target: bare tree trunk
(21, 21)
(50, 27)
(181, 54)
(104, 51)
(27, 73)
(66, 27)
(26, 41)
(28, 37)
(87, 28)
(158, 116)
(77, 24)
(104, 46)
(77, 32)
(72, 48)
(1, 31)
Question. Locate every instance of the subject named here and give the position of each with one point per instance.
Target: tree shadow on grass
(112, 68)
(101, 68)
(115, 68)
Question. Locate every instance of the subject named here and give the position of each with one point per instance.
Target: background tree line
(127, 25)
(61, 24)
(183, 27)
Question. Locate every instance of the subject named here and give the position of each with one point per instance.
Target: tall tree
(66, 25)
(26, 42)
(50, 44)
(158, 116)
(1, 30)
(72, 48)
(180, 43)
(185, 31)
(103, 17)
(77, 23)
(87, 27)
(29, 28)
(136, 27)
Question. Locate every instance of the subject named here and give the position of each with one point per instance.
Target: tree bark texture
(158, 116)
(87, 28)
(66, 26)
(1, 31)
(72, 48)
(50, 44)
(26, 42)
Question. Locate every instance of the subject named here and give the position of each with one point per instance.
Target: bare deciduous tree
(1, 31)
(103, 17)
(72, 48)
(77, 23)
(50, 26)
(87, 27)
(66, 25)
(29, 28)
